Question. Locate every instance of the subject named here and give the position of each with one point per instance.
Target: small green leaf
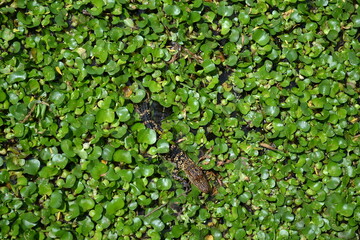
(146, 136)
(208, 66)
(244, 18)
(32, 86)
(147, 170)
(67, 147)
(272, 111)
(56, 199)
(2, 95)
(292, 55)
(346, 209)
(108, 152)
(7, 34)
(126, 175)
(105, 116)
(164, 184)
(59, 160)
(57, 97)
(49, 73)
(122, 156)
(172, 10)
(138, 96)
(303, 126)
(325, 87)
(158, 225)
(334, 169)
(17, 76)
(18, 111)
(47, 172)
(19, 130)
(31, 166)
(114, 205)
(97, 169)
(261, 37)
(86, 204)
(193, 104)
(129, 22)
(225, 10)
(226, 25)
(162, 146)
(28, 219)
(123, 114)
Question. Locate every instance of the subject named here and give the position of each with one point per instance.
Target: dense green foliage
(266, 91)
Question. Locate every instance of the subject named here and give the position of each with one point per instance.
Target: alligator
(176, 155)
